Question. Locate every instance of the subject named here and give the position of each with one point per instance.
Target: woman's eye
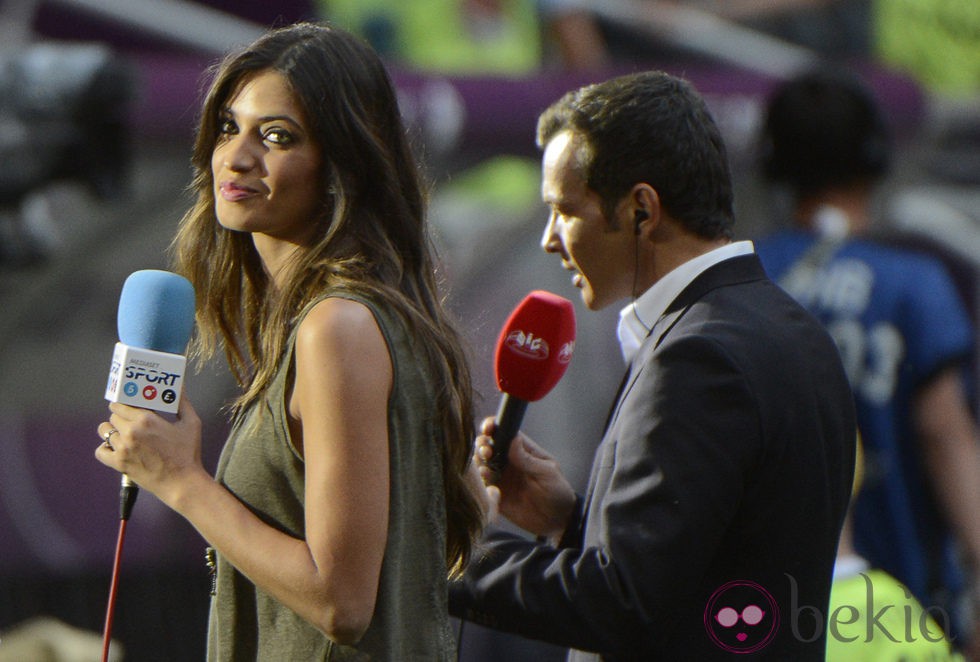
(227, 126)
(279, 136)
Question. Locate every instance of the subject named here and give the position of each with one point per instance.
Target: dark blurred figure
(63, 116)
(902, 331)
(589, 34)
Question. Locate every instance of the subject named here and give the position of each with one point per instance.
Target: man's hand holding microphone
(522, 481)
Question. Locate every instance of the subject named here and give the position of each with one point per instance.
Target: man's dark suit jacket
(721, 481)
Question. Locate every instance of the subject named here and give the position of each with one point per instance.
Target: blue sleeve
(939, 331)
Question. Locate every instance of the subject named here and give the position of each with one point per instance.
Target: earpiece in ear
(638, 217)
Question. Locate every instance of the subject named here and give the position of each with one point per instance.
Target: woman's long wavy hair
(371, 238)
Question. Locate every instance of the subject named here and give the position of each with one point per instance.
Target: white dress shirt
(636, 319)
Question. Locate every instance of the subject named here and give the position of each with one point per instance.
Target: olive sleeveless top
(261, 467)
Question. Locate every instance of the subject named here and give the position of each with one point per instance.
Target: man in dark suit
(713, 512)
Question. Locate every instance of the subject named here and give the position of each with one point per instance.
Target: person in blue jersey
(903, 333)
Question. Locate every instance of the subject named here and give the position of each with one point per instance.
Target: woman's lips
(233, 192)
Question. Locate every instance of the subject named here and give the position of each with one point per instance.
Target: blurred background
(98, 102)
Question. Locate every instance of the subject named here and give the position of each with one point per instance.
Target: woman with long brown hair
(340, 504)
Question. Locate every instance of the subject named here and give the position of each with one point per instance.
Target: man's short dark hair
(654, 128)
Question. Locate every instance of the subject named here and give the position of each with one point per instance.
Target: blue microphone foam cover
(156, 311)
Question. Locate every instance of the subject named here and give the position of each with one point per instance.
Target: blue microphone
(156, 311)
(155, 321)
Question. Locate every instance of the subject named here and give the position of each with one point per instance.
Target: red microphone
(533, 352)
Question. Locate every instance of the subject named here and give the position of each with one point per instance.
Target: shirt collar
(637, 318)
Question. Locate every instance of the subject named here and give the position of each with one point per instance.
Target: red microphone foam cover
(535, 346)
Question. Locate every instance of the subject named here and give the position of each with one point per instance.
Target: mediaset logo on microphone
(146, 378)
(150, 372)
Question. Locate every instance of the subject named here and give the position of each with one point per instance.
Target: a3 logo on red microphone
(530, 346)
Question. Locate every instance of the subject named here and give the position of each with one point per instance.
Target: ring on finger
(107, 435)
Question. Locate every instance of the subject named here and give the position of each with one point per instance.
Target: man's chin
(597, 303)
(591, 301)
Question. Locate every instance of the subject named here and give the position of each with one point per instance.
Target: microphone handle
(128, 491)
(507, 423)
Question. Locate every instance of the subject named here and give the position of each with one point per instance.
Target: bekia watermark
(743, 617)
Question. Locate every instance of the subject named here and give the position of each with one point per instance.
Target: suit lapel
(732, 271)
(735, 270)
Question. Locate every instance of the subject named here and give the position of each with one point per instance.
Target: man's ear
(639, 216)
(645, 204)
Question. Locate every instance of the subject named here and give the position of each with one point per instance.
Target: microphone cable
(128, 492)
